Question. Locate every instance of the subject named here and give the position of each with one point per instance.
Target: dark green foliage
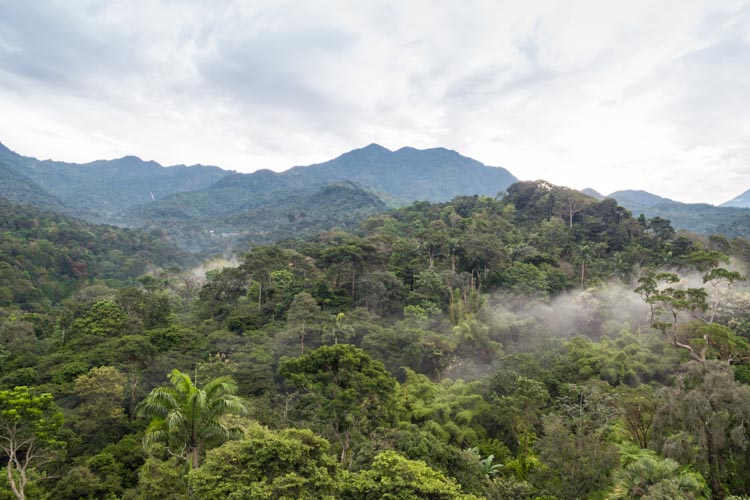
(525, 369)
(345, 389)
(187, 419)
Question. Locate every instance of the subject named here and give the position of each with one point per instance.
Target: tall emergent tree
(29, 434)
(344, 389)
(186, 418)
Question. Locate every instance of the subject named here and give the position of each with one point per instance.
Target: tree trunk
(18, 490)
(583, 271)
(193, 458)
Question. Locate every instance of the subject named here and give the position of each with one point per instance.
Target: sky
(605, 94)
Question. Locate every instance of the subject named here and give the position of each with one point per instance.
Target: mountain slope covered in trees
(101, 189)
(546, 344)
(701, 218)
(194, 204)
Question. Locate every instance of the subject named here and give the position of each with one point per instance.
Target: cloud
(583, 93)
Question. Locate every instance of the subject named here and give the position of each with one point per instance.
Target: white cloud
(610, 95)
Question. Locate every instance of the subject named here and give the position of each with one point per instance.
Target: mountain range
(205, 208)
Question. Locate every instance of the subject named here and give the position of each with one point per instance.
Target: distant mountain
(705, 219)
(637, 200)
(700, 218)
(103, 188)
(593, 193)
(398, 177)
(436, 174)
(741, 201)
(132, 192)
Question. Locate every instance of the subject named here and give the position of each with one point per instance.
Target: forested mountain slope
(295, 214)
(45, 256)
(701, 218)
(103, 188)
(545, 344)
(398, 177)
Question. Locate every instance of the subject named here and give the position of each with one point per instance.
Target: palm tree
(187, 419)
(657, 477)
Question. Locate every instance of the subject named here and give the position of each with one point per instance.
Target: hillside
(44, 256)
(593, 193)
(99, 190)
(195, 204)
(268, 219)
(698, 218)
(17, 187)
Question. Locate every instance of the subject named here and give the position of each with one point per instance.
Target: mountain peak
(374, 147)
(593, 193)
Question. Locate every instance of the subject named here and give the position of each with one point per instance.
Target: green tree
(575, 448)
(162, 479)
(704, 419)
(288, 464)
(104, 319)
(100, 416)
(30, 427)
(303, 309)
(658, 478)
(188, 419)
(670, 303)
(451, 410)
(395, 477)
(344, 389)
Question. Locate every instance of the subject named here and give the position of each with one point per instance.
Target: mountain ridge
(130, 191)
(740, 201)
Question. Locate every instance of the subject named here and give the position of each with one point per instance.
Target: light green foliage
(526, 278)
(518, 411)
(467, 289)
(394, 477)
(104, 319)
(30, 427)
(288, 464)
(474, 341)
(637, 411)
(627, 359)
(415, 443)
(450, 410)
(186, 418)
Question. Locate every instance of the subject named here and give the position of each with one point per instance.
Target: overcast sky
(607, 94)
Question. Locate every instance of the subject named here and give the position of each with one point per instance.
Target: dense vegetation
(542, 345)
